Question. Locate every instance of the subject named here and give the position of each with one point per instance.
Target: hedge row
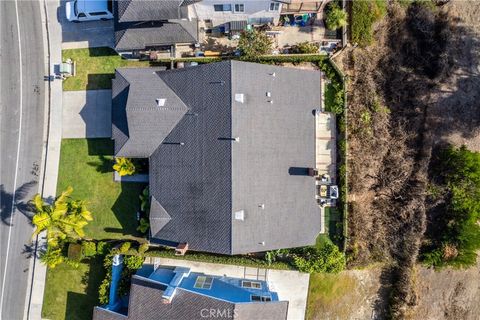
(247, 261)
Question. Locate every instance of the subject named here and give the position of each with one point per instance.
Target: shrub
(143, 248)
(125, 247)
(144, 225)
(133, 262)
(89, 249)
(254, 43)
(124, 166)
(458, 237)
(364, 15)
(335, 17)
(52, 257)
(145, 200)
(328, 258)
(102, 247)
(104, 289)
(305, 47)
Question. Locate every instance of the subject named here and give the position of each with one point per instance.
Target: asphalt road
(22, 99)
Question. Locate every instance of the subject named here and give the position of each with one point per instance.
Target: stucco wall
(255, 11)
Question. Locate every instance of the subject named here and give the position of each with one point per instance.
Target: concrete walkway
(87, 114)
(290, 285)
(52, 35)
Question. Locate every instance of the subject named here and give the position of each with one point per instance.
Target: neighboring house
(165, 293)
(217, 13)
(231, 147)
(302, 6)
(159, 26)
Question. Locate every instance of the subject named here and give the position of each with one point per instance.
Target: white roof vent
(261, 205)
(269, 94)
(161, 102)
(239, 97)
(240, 215)
(262, 243)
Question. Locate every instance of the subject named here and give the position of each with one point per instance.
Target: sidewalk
(53, 136)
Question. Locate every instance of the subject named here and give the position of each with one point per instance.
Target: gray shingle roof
(193, 181)
(139, 23)
(146, 123)
(138, 36)
(146, 303)
(201, 184)
(151, 10)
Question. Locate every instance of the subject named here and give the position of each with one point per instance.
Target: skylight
(251, 284)
(203, 282)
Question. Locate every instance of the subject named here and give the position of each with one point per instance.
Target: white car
(88, 10)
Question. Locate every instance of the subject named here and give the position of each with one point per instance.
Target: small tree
(124, 166)
(254, 43)
(336, 17)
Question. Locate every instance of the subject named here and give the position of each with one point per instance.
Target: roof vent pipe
(269, 94)
(161, 102)
(240, 97)
(272, 74)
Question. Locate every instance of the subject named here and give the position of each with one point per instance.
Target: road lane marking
(16, 162)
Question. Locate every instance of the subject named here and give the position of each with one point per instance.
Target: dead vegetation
(395, 87)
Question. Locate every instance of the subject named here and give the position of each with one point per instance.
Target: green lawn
(95, 68)
(72, 293)
(324, 292)
(86, 165)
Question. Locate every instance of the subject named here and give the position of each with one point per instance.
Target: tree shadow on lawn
(103, 148)
(100, 81)
(126, 207)
(80, 305)
(102, 165)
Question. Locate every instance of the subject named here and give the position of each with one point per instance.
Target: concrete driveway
(84, 34)
(289, 285)
(87, 114)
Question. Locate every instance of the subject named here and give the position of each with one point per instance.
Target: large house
(231, 147)
(167, 293)
(221, 13)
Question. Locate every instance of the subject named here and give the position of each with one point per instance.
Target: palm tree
(62, 219)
